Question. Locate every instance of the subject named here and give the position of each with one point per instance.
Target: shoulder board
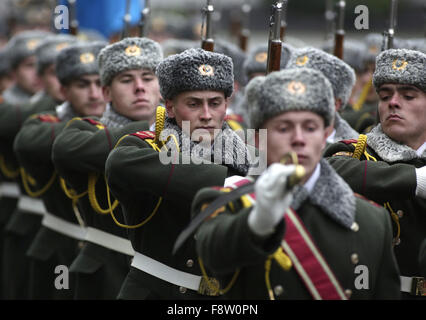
(144, 134)
(360, 196)
(98, 124)
(48, 118)
(222, 189)
(349, 141)
(234, 117)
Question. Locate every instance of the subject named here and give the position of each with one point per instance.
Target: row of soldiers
(126, 146)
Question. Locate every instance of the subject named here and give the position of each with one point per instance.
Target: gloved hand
(272, 199)
(421, 182)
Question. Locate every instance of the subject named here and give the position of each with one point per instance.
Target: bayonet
(144, 22)
(207, 41)
(274, 44)
(126, 21)
(73, 17)
(340, 32)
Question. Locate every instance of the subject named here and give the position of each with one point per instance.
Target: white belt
(109, 241)
(31, 205)
(10, 189)
(60, 225)
(419, 287)
(166, 273)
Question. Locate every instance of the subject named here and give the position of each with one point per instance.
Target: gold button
(182, 289)
(278, 290)
(80, 244)
(190, 263)
(348, 293)
(354, 258)
(396, 242)
(400, 213)
(355, 227)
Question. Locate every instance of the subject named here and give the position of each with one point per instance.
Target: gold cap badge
(399, 64)
(87, 57)
(31, 44)
(296, 88)
(261, 57)
(206, 70)
(133, 51)
(61, 46)
(301, 61)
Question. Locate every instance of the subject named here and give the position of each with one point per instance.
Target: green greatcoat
(80, 150)
(139, 179)
(362, 120)
(18, 232)
(391, 179)
(226, 244)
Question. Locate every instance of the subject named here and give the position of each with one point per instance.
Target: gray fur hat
(338, 72)
(195, 69)
(300, 89)
(50, 48)
(128, 54)
(400, 66)
(236, 54)
(353, 52)
(24, 45)
(258, 56)
(77, 60)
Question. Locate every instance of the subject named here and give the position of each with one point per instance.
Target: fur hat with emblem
(127, 54)
(195, 69)
(338, 72)
(77, 60)
(300, 89)
(401, 66)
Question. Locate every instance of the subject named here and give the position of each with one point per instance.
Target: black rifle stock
(73, 17)
(340, 32)
(207, 42)
(274, 44)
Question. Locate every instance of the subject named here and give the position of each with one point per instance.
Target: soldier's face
(51, 83)
(402, 111)
(134, 94)
(204, 110)
(85, 95)
(302, 132)
(26, 75)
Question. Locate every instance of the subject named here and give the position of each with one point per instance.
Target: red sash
(305, 256)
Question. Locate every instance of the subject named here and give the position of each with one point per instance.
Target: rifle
(330, 17)
(143, 23)
(245, 31)
(388, 35)
(340, 32)
(207, 42)
(274, 44)
(74, 22)
(283, 20)
(126, 21)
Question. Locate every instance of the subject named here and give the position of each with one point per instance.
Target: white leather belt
(109, 241)
(10, 189)
(60, 225)
(31, 205)
(413, 285)
(166, 273)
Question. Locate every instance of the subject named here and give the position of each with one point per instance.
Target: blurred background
(306, 19)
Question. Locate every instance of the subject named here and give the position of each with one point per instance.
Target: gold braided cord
(211, 286)
(77, 213)
(360, 146)
(395, 218)
(70, 193)
(25, 181)
(234, 125)
(91, 188)
(72, 120)
(160, 117)
(268, 263)
(8, 173)
(363, 96)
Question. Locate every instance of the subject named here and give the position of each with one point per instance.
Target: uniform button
(80, 244)
(348, 293)
(189, 263)
(400, 213)
(354, 258)
(355, 227)
(278, 290)
(397, 241)
(182, 289)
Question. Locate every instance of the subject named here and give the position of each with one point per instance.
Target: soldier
(21, 49)
(295, 242)
(342, 79)
(388, 164)
(127, 70)
(6, 79)
(157, 194)
(55, 242)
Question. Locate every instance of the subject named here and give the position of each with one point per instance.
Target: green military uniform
(390, 181)
(363, 120)
(227, 246)
(80, 151)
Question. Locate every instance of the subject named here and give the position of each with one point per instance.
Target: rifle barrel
(74, 21)
(207, 42)
(340, 32)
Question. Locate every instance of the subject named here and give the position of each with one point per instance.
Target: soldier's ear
(106, 90)
(169, 108)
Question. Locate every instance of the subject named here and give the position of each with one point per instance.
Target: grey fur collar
(343, 130)
(235, 157)
(16, 96)
(112, 119)
(390, 150)
(332, 194)
(65, 112)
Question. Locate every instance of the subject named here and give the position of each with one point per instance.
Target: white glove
(272, 199)
(421, 182)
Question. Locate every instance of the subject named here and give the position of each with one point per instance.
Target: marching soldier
(127, 70)
(55, 242)
(342, 79)
(156, 193)
(286, 241)
(388, 164)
